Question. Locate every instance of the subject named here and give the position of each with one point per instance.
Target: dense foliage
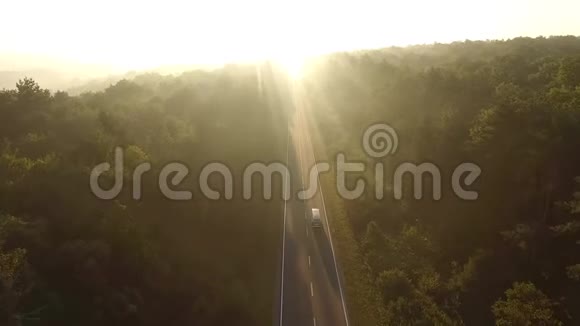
(69, 258)
(509, 257)
(513, 108)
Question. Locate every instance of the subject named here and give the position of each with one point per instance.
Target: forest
(511, 257)
(69, 258)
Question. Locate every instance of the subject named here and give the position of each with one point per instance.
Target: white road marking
(314, 319)
(307, 231)
(284, 231)
(309, 262)
(311, 290)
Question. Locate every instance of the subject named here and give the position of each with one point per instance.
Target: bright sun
(294, 66)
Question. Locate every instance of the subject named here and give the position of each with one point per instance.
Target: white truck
(315, 218)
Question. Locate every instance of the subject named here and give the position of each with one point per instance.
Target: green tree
(524, 305)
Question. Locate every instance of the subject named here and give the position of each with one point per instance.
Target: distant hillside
(52, 79)
(73, 77)
(470, 51)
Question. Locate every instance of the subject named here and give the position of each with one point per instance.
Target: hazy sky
(144, 34)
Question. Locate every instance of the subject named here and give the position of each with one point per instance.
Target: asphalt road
(310, 286)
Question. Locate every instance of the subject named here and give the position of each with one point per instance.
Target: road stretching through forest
(310, 289)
